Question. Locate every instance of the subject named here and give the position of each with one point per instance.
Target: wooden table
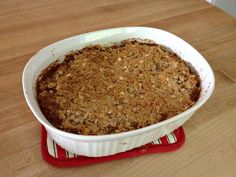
(26, 26)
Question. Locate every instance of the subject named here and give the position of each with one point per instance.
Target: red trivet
(57, 156)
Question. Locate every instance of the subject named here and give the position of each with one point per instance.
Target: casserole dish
(103, 145)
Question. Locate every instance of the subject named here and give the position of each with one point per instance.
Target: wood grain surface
(29, 25)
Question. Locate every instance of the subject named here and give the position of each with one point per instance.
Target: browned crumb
(104, 90)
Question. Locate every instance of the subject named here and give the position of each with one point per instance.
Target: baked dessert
(104, 90)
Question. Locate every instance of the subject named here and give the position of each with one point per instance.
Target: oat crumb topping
(103, 90)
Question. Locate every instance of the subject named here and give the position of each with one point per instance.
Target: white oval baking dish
(103, 145)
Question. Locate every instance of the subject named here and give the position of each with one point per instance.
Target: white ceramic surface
(95, 146)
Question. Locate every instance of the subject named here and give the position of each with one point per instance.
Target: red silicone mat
(57, 156)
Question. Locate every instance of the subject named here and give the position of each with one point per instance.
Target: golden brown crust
(103, 90)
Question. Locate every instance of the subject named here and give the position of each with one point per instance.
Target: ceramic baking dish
(103, 145)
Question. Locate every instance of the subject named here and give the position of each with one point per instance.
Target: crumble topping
(103, 90)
